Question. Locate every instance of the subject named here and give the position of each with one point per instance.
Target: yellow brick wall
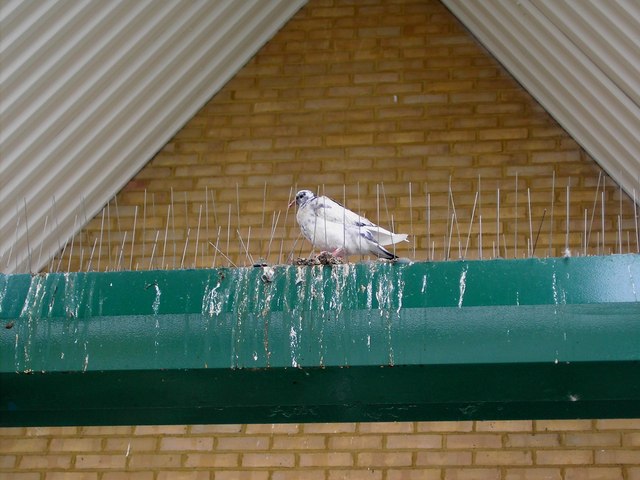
(356, 99)
(516, 450)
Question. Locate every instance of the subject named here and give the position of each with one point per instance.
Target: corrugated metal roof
(581, 60)
(91, 90)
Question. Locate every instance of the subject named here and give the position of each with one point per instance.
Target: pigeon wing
(333, 212)
(330, 211)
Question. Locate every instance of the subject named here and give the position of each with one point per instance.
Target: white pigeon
(331, 227)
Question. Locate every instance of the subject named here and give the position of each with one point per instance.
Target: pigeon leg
(339, 252)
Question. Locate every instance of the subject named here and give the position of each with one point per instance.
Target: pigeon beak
(293, 202)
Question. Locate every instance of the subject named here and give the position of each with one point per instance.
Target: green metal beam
(500, 339)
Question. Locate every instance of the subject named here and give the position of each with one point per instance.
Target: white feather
(332, 227)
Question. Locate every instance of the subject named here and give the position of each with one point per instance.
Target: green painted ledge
(500, 339)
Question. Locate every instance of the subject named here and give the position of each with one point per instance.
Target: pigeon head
(302, 197)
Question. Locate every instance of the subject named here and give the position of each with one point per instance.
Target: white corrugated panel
(581, 60)
(91, 90)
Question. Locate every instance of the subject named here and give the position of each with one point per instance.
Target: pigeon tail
(385, 237)
(381, 252)
(374, 248)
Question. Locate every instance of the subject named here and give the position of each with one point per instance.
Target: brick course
(350, 98)
(514, 450)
